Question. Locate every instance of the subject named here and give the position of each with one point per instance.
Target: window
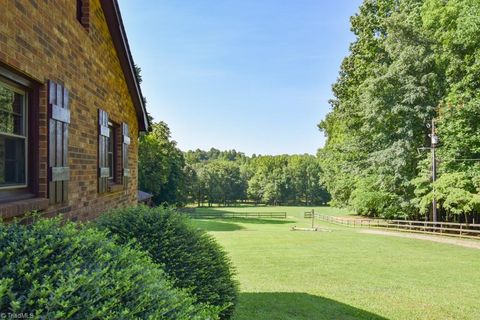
(111, 152)
(112, 139)
(83, 13)
(13, 136)
(79, 11)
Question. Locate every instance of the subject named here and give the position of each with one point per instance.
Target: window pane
(11, 111)
(12, 161)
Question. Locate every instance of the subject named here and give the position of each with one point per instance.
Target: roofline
(114, 20)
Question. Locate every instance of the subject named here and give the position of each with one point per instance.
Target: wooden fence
(231, 214)
(307, 214)
(462, 230)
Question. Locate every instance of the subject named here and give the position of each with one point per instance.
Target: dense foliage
(226, 177)
(191, 257)
(161, 165)
(53, 271)
(412, 60)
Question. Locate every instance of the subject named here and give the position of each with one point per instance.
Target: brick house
(71, 109)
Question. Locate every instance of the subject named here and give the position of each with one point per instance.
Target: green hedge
(191, 257)
(68, 271)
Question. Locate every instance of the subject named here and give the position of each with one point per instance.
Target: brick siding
(44, 40)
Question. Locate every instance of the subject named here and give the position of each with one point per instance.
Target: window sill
(17, 208)
(115, 187)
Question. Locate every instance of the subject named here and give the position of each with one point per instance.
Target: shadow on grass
(239, 220)
(239, 205)
(292, 305)
(256, 220)
(212, 225)
(219, 215)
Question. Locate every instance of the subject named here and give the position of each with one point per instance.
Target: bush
(192, 258)
(54, 271)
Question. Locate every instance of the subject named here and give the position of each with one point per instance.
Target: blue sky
(250, 75)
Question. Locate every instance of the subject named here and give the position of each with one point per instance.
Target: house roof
(143, 196)
(111, 11)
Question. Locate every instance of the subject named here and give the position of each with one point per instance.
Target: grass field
(344, 274)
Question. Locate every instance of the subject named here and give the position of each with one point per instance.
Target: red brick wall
(45, 41)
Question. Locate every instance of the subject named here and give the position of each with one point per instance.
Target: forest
(413, 62)
(225, 177)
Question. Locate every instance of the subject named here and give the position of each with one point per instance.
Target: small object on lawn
(295, 228)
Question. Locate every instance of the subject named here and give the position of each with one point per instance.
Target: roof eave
(113, 17)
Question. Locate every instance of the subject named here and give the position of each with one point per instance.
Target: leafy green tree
(161, 165)
(412, 60)
(306, 180)
(226, 177)
(457, 196)
(223, 182)
(389, 88)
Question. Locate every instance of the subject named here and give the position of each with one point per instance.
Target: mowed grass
(343, 274)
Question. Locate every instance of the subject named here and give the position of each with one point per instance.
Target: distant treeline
(225, 177)
(412, 61)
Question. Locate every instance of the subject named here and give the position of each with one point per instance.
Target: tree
(161, 165)
(412, 60)
(388, 89)
(223, 182)
(226, 177)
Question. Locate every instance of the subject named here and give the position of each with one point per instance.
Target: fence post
(313, 218)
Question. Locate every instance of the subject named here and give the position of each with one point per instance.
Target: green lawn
(344, 274)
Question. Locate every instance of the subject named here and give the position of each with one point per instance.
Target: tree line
(412, 61)
(225, 177)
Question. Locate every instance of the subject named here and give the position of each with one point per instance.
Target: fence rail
(453, 229)
(307, 214)
(232, 214)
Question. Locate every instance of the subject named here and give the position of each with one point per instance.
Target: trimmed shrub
(54, 271)
(190, 256)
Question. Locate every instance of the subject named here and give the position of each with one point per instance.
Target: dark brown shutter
(103, 137)
(59, 172)
(125, 144)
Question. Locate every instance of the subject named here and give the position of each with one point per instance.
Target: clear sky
(250, 75)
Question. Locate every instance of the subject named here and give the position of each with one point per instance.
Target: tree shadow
(257, 221)
(213, 225)
(240, 220)
(298, 306)
(223, 215)
(239, 205)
